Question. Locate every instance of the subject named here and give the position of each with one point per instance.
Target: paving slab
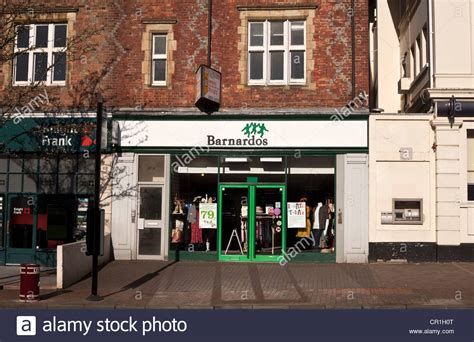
(214, 285)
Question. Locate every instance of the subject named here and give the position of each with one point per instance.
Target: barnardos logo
(253, 131)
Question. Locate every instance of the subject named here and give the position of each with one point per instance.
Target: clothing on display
(316, 224)
(192, 213)
(196, 233)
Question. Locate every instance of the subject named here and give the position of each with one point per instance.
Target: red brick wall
(122, 28)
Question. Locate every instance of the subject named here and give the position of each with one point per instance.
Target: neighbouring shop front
(46, 180)
(251, 188)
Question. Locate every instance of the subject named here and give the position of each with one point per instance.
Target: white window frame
(258, 49)
(267, 48)
(159, 56)
(296, 48)
(31, 50)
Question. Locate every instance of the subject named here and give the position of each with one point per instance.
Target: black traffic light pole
(96, 226)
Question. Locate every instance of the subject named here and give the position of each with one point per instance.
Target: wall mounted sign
(49, 134)
(208, 88)
(207, 134)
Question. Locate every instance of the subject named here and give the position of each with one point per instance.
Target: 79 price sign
(208, 215)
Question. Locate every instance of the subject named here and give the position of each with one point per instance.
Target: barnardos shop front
(249, 188)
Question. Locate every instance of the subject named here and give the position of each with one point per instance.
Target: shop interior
(310, 180)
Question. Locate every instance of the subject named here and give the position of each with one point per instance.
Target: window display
(267, 206)
(193, 219)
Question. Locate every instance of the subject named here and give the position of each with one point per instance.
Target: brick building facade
(294, 73)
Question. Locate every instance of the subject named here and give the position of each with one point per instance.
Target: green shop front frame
(251, 222)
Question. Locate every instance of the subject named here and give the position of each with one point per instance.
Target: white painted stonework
(392, 177)
(455, 215)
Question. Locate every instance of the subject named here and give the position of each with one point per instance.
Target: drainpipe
(209, 32)
(353, 48)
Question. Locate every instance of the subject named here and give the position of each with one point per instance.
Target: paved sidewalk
(155, 284)
(10, 277)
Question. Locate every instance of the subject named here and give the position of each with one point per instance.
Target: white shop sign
(208, 215)
(247, 134)
(296, 214)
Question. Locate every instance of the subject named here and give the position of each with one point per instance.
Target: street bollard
(29, 282)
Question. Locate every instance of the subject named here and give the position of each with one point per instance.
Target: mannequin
(316, 215)
(320, 220)
(196, 234)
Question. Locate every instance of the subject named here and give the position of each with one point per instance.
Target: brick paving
(185, 284)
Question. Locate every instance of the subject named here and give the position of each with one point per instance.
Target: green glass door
(233, 222)
(269, 233)
(252, 222)
(21, 229)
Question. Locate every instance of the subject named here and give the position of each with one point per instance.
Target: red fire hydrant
(29, 282)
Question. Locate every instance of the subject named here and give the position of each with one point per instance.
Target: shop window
(30, 165)
(16, 165)
(3, 182)
(159, 59)
(86, 165)
(48, 165)
(194, 181)
(30, 182)
(47, 183)
(85, 184)
(470, 164)
(66, 183)
(55, 220)
(3, 164)
(67, 165)
(14, 183)
(21, 222)
(40, 54)
(310, 195)
(276, 52)
(2, 219)
(151, 168)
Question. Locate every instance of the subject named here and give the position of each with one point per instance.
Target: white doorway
(151, 228)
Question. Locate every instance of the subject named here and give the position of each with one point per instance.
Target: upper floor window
(276, 52)
(159, 59)
(40, 54)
